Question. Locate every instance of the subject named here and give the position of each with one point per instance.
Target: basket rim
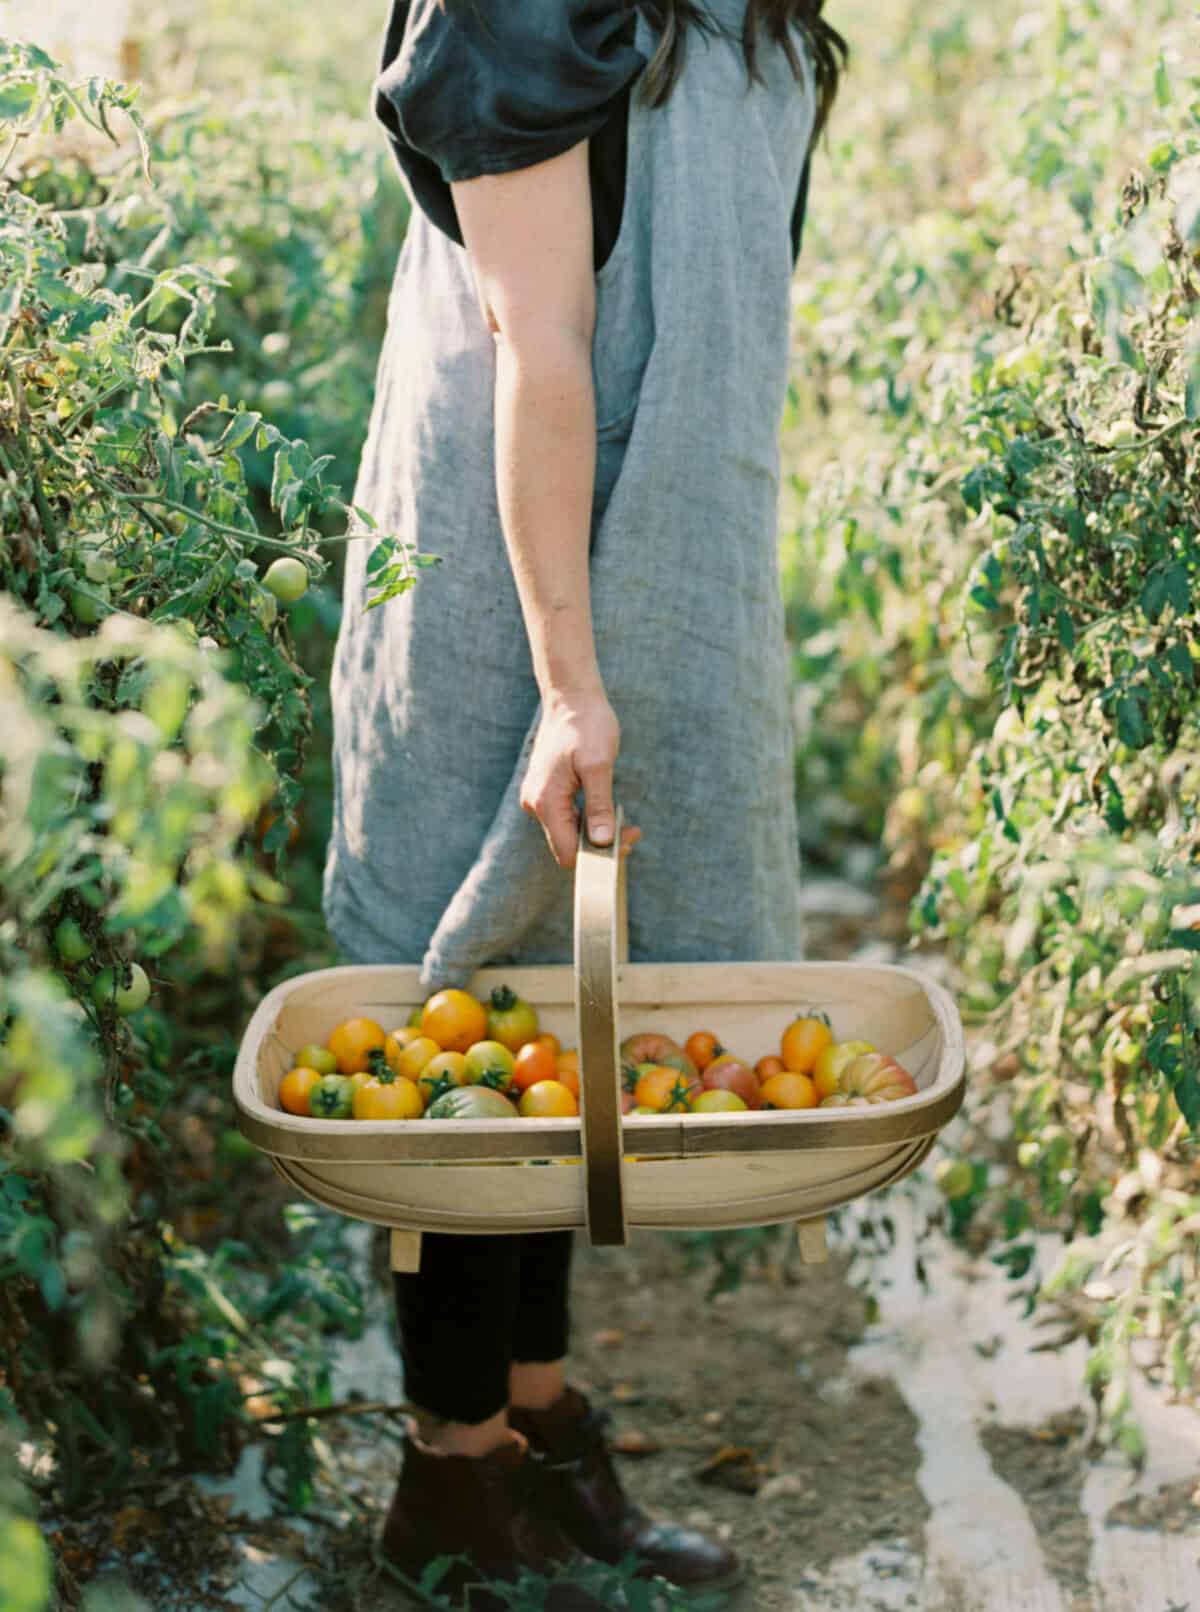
(657, 1136)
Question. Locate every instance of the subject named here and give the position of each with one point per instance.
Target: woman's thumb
(598, 804)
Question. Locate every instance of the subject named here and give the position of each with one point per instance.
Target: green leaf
(1162, 83)
(1131, 729)
(17, 97)
(1153, 596)
(1066, 630)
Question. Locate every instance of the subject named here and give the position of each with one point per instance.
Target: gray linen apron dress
(435, 705)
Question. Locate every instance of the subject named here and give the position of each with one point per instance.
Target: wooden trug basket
(699, 1171)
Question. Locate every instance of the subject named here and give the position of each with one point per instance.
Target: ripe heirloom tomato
(829, 1066)
(702, 1047)
(766, 1067)
(295, 1087)
(804, 1040)
(454, 1019)
(545, 1038)
(353, 1041)
(490, 1063)
(789, 1090)
(533, 1063)
(510, 1019)
(730, 1074)
(664, 1089)
(547, 1099)
(442, 1074)
(386, 1097)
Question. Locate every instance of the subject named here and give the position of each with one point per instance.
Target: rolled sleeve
(490, 86)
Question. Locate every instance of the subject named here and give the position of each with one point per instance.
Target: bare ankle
(463, 1438)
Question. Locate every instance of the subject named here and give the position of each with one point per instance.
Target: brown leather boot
(488, 1510)
(597, 1515)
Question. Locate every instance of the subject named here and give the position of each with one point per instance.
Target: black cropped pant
(477, 1305)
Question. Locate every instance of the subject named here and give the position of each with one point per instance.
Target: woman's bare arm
(529, 236)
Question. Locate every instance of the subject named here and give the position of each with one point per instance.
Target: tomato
(442, 1074)
(71, 944)
(547, 1099)
(566, 1070)
(533, 1063)
(954, 1177)
(471, 1102)
(702, 1047)
(395, 1042)
(832, 1061)
(331, 1097)
(545, 1039)
(454, 1019)
(314, 1056)
(510, 1019)
(877, 1077)
(766, 1067)
(490, 1063)
(409, 1061)
(295, 1087)
(650, 1047)
(804, 1040)
(718, 1101)
(789, 1090)
(664, 1089)
(353, 1041)
(359, 1079)
(729, 1074)
(386, 1097)
(286, 578)
(126, 990)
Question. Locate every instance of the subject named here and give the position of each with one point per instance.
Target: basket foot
(810, 1235)
(406, 1251)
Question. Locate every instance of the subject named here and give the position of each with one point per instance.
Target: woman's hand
(575, 749)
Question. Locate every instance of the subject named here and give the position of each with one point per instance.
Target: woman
(578, 405)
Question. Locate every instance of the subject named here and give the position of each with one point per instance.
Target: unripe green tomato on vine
(70, 942)
(287, 578)
(125, 998)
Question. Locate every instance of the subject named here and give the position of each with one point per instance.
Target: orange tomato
(702, 1047)
(352, 1043)
(766, 1067)
(388, 1099)
(547, 1099)
(295, 1087)
(454, 1019)
(804, 1040)
(664, 1090)
(566, 1070)
(547, 1039)
(532, 1064)
(789, 1090)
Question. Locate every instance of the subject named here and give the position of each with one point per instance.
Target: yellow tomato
(412, 1059)
(352, 1043)
(388, 1099)
(454, 1019)
(396, 1042)
(789, 1090)
(547, 1099)
(448, 1069)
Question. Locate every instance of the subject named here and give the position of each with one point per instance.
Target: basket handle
(601, 940)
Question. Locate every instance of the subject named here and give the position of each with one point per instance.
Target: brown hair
(673, 18)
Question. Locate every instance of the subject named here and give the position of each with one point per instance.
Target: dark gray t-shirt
(489, 86)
